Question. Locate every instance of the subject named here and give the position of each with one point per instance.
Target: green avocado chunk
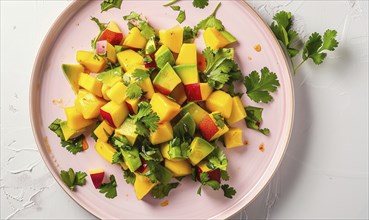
(131, 158)
(199, 149)
(185, 125)
(163, 56)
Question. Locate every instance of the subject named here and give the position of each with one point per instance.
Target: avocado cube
(199, 149)
(163, 56)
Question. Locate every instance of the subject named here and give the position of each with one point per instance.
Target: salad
(157, 106)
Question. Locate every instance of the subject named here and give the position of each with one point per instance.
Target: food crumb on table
(262, 147)
(257, 48)
(164, 203)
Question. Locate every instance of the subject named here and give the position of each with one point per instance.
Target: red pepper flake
(262, 147)
(245, 142)
(165, 203)
(257, 48)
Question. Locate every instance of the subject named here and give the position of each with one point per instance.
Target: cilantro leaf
(157, 172)
(217, 160)
(145, 119)
(55, 127)
(134, 20)
(206, 181)
(188, 34)
(72, 179)
(229, 192)
(210, 21)
(134, 91)
(219, 120)
(259, 88)
(315, 46)
(73, 145)
(200, 3)
(162, 190)
(181, 16)
(254, 119)
(108, 4)
(117, 157)
(119, 142)
(129, 176)
(110, 189)
(175, 7)
(140, 74)
(101, 26)
(224, 175)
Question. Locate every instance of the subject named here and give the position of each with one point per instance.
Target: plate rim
(34, 103)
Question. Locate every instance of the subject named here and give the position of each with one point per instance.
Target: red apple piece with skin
(213, 174)
(112, 34)
(193, 92)
(97, 177)
(208, 128)
(107, 117)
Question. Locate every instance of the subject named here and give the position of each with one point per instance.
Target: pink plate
(250, 169)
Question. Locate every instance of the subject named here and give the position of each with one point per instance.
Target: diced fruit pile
(159, 108)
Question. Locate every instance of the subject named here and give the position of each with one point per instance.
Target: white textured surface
(324, 173)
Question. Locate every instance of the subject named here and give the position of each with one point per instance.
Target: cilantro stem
(297, 67)
(170, 3)
(216, 9)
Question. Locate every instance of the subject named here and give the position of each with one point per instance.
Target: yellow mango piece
(114, 113)
(214, 39)
(117, 93)
(187, 54)
(132, 105)
(75, 119)
(172, 38)
(145, 85)
(91, 84)
(178, 168)
(163, 133)
(142, 185)
(111, 54)
(164, 107)
(103, 131)
(104, 90)
(238, 111)
(221, 131)
(105, 150)
(206, 90)
(233, 138)
(220, 101)
(90, 61)
(88, 104)
(73, 72)
(129, 58)
(135, 39)
(70, 133)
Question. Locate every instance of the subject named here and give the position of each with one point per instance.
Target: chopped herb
(224, 175)
(117, 157)
(217, 160)
(210, 21)
(71, 179)
(140, 74)
(200, 3)
(206, 181)
(145, 119)
(259, 86)
(101, 26)
(55, 127)
(110, 189)
(74, 145)
(219, 120)
(134, 91)
(129, 176)
(134, 20)
(109, 4)
(157, 172)
(188, 34)
(254, 119)
(119, 142)
(162, 190)
(181, 16)
(229, 192)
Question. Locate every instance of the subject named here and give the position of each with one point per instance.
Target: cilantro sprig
(259, 86)
(162, 190)
(210, 21)
(72, 179)
(109, 4)
(314, 48)
(196, 3)
(145, 119)
(101, 26)
(110, 188)
(134, 20)
(254, 119)
(73, 145)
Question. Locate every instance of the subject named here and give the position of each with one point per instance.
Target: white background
(324, 174)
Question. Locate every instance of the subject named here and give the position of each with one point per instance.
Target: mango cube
(114, 113)
(178, 168)
(103, 131)
(221, 131)
(197, 113)
(172, 38)
(135, 39)
(233, 138)
(128, 129)
(75, 119)
(142, 185)
(88, 104)
(214, 39)
(145, 85)
(220, 101)
(105, 150)
(187, 54)
(238, 111)
(129, 58)
(117, 93)
(164, 107)
(91, 84)
(163, 133)
(70, 133)
(132, 105)
(73, 72)
(91, 61)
